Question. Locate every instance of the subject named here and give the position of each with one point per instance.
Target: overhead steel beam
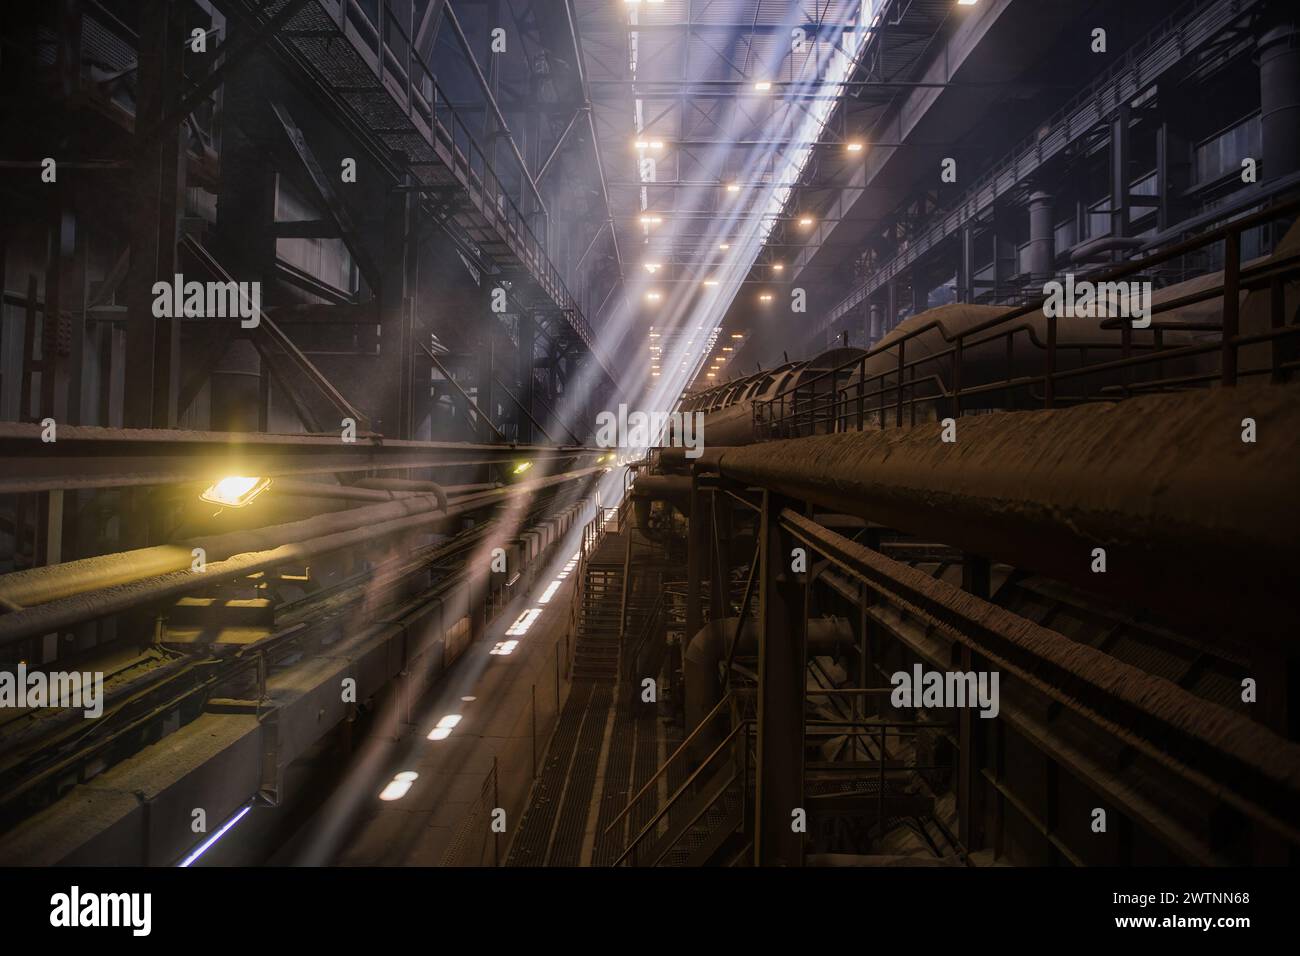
(522, 407)
(262, 31)
(591, 124)
(482, 418)
(268, 334)
(327, 197)
(559, 143)
(503, 128)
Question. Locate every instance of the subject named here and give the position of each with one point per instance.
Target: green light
(522, 467)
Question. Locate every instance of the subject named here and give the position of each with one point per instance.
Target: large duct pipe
(1042, 237)
(674, 489)
(1185, 510)
(708, 650)
(1279, 98)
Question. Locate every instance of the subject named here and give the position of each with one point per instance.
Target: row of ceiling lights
(653, 219)
(653, 296)
(637, 3)
(849, 146)
(656, 353)
(719, 360)
(653, 267)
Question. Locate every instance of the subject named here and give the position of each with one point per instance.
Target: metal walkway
(388, 93)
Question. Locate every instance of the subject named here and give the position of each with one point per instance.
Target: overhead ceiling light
(235, 491)
(967, 3)
(806, 221)
(853, 147)
(652, 267)
(522, 467)
(733, 187)
(762, 86)
(710, 281)
(724, 246)
(651, 220)
(777, 267)
(654, 296)
(765, 297)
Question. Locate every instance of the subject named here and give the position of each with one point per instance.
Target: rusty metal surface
(1186, 511)
(1201, 741)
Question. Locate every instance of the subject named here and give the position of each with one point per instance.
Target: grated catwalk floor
(531, 845)
(604, 748)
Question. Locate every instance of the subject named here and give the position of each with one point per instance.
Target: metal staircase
(599, 617)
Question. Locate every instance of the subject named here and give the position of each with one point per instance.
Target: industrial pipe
(406, 485)
(36, 586)
(1101, 248)
(1183, 510)
(708, 649)
(319, 489)
(144, 589)
(674, 489)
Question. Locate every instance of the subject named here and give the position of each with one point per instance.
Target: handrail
(1031, 145)
(722, 791)
(658, 773)
(803, 398)
(686, 784)
(648, 626)
(1137, 265)
(395, 53)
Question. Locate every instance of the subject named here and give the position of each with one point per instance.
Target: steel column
(153, 344)
(782, 636)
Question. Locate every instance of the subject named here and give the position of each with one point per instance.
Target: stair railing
(725, 748)
(649, 626)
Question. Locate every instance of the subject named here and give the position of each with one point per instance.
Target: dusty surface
(1195, 523)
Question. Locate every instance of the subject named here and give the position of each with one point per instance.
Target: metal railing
(1164, 47)
(649, 627)
(475, 843)
(404, 74)
(848, 397)
(636, 852)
